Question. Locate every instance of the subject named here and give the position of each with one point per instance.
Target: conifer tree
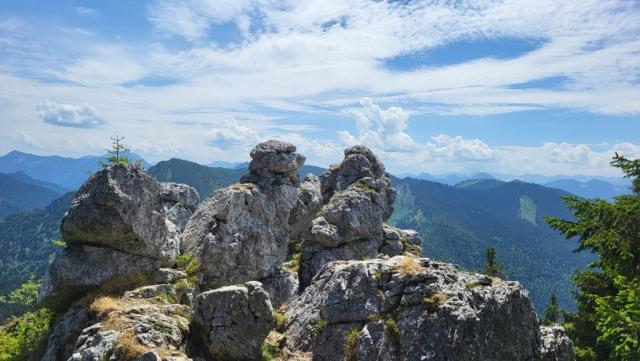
(553, 312)
(606, 325)
(492, 267)
(115, 154)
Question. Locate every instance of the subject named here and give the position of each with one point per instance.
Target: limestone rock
(281, 287)
(556, 346)
(274, 159)
(80, 269)
(179, 202)
(411, 309)
(120, 207)
(234, 320)
(242, 232)
(309, 202)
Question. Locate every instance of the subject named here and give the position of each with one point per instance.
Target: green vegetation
(58, 243)
(491, 266)
(606, 325)
(190, 265)
(18, 194)
(27, 248)
(21, 336)
(320, 325)
(552, 313)
(115, 153)
(280, 319)
(350, 344)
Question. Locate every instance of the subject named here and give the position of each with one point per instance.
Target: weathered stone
(242, 232)
(179, 201)
(555, 346)
(429, 311)
(281, 287)
(120, 207)
(234, 320)
(309, 202)
(274, 159)
(80, 269)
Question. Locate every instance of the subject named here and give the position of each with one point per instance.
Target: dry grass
(436, 300)
(407, 266)
(248, 186)
(350, 344)
(495, 280)
(130, 347)
(103, 305)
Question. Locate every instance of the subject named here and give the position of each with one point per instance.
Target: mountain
(452, 179)
(457, 224)
(479, 184)
(18, 194)
(590, 189)
(206, 179)
(26, 244)
(23, 177)
(67, 173)
(228, 165)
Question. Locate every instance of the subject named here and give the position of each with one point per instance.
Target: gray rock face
(556, 346)
(309, 202)
(179, 202)
(282, 287)
(79, 269)
(274, 159)
(234, 320)
(357, 200)
(242, 232)
(411, 309)
(120, 207)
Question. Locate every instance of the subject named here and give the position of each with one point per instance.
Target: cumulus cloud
(69, 115)
(231, 133)
(382, 129)
(460, 148)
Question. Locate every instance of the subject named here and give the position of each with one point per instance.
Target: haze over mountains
(458, 220)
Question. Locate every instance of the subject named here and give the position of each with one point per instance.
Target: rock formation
(234, 293)
(234, 320)
(357, 200)
(241, 233)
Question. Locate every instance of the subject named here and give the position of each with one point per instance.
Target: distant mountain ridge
(20, 193)
(67, 173)
(590, 189)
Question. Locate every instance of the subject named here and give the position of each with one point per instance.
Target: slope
(17, 195)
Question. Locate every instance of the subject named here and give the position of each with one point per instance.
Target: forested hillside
(20, 195)
(457, 225)
(26, 240)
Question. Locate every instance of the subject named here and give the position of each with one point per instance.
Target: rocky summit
(272, 268)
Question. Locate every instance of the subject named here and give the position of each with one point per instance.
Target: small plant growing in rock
(129, 346)
(59, 243)
(115, 153)
(392, 329)
(374, 317)
(350, 344)
(293, 265)
(436, 300)
(103, 305)
(280, 320)
(320, 325)
(189, 264)
(408, 266)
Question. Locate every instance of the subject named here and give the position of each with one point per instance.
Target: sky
(506, 87)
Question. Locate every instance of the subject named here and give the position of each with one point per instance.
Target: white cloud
(382, 129)
(69, 115)
(229, 132)
(458, 148)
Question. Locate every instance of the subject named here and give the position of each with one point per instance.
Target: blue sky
(509, 87)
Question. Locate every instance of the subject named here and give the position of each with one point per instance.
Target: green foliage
(350, 344)
(115, 153)
(320, 325)
(189, 264)
(21, 336)
(491, 266)
(26, 295)
(606, 325)
(553, 312)
(27, 248)
(280, 319)
(58, 243)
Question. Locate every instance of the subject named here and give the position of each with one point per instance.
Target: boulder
(120, 207)
(407, 308)
(282, 287)
(233, 321)
(241, 233)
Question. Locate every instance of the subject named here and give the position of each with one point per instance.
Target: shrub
(350, 344)
(320, 325)
(280, 319)
(21, 336)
